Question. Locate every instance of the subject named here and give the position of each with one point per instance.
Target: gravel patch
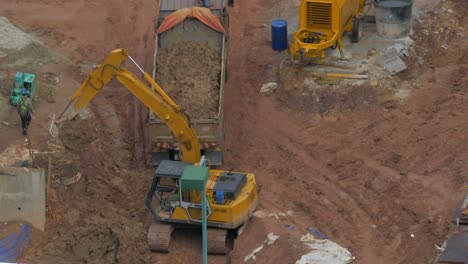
(11, 37)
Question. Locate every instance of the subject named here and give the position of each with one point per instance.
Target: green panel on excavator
(194, 177)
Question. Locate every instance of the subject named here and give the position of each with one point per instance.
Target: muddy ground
(363, 165)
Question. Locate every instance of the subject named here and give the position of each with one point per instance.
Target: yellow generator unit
(322, 24)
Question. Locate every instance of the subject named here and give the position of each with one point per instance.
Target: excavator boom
(156, 100)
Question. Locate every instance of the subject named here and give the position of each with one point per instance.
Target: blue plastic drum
(279, 34)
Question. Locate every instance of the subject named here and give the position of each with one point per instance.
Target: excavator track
(219, 241)
(159, 236)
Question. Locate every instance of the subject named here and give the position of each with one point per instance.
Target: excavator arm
(156, 100)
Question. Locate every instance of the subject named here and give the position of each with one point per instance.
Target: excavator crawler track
(219, 241)
(159, 236)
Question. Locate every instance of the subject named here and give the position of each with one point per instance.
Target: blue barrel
(279, 34)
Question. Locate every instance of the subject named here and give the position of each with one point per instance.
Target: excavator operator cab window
(27, 86)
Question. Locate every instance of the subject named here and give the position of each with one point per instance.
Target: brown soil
(89, 244)
(360, 165)
(189, 73)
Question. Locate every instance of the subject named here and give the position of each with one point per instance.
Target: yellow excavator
(177, 185)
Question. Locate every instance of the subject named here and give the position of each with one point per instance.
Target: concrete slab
(22, 195)
(456, 251)
(391, 62)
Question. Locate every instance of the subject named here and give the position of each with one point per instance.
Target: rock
(403, 172)
(420, 60)
(390, 61)
(268, 88)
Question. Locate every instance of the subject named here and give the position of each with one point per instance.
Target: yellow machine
(232, 196)
(322, 24)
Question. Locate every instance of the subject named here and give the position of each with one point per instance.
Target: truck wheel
(231, 3)
(357, 31)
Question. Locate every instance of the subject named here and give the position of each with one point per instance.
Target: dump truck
(196, 80)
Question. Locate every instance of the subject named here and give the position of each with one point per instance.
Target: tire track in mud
(364, 201)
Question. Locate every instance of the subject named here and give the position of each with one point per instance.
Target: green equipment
(22, 80)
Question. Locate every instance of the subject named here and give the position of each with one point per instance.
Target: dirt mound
(99, 216)
(189, 73)
(77, 133)
(88, 244)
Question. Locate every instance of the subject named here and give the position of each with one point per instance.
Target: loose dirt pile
(75, 139)
(99, 216)
(189, 73)
(310, 93)
(88, 244)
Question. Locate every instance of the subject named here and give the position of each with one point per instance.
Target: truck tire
(357, 30)
(231, 3)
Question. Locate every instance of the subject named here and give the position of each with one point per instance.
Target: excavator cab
(176, 188)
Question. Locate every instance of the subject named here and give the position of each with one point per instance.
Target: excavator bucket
(201, 13)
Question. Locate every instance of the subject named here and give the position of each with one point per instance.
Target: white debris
(307, 238)
(72, 180)
(439, 248)
(262, 214)
(271, 238)
(268, 87)
(252, 255)
(242, 228)
(324, 251)
(53, 129)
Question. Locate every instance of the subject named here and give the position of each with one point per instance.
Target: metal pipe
(204, 228)
(136, 64)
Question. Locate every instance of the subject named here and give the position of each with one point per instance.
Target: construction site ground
(379, 171)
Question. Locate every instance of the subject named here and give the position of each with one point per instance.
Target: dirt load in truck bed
(189, 72)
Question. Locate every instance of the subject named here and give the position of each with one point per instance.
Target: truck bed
(190, 65)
